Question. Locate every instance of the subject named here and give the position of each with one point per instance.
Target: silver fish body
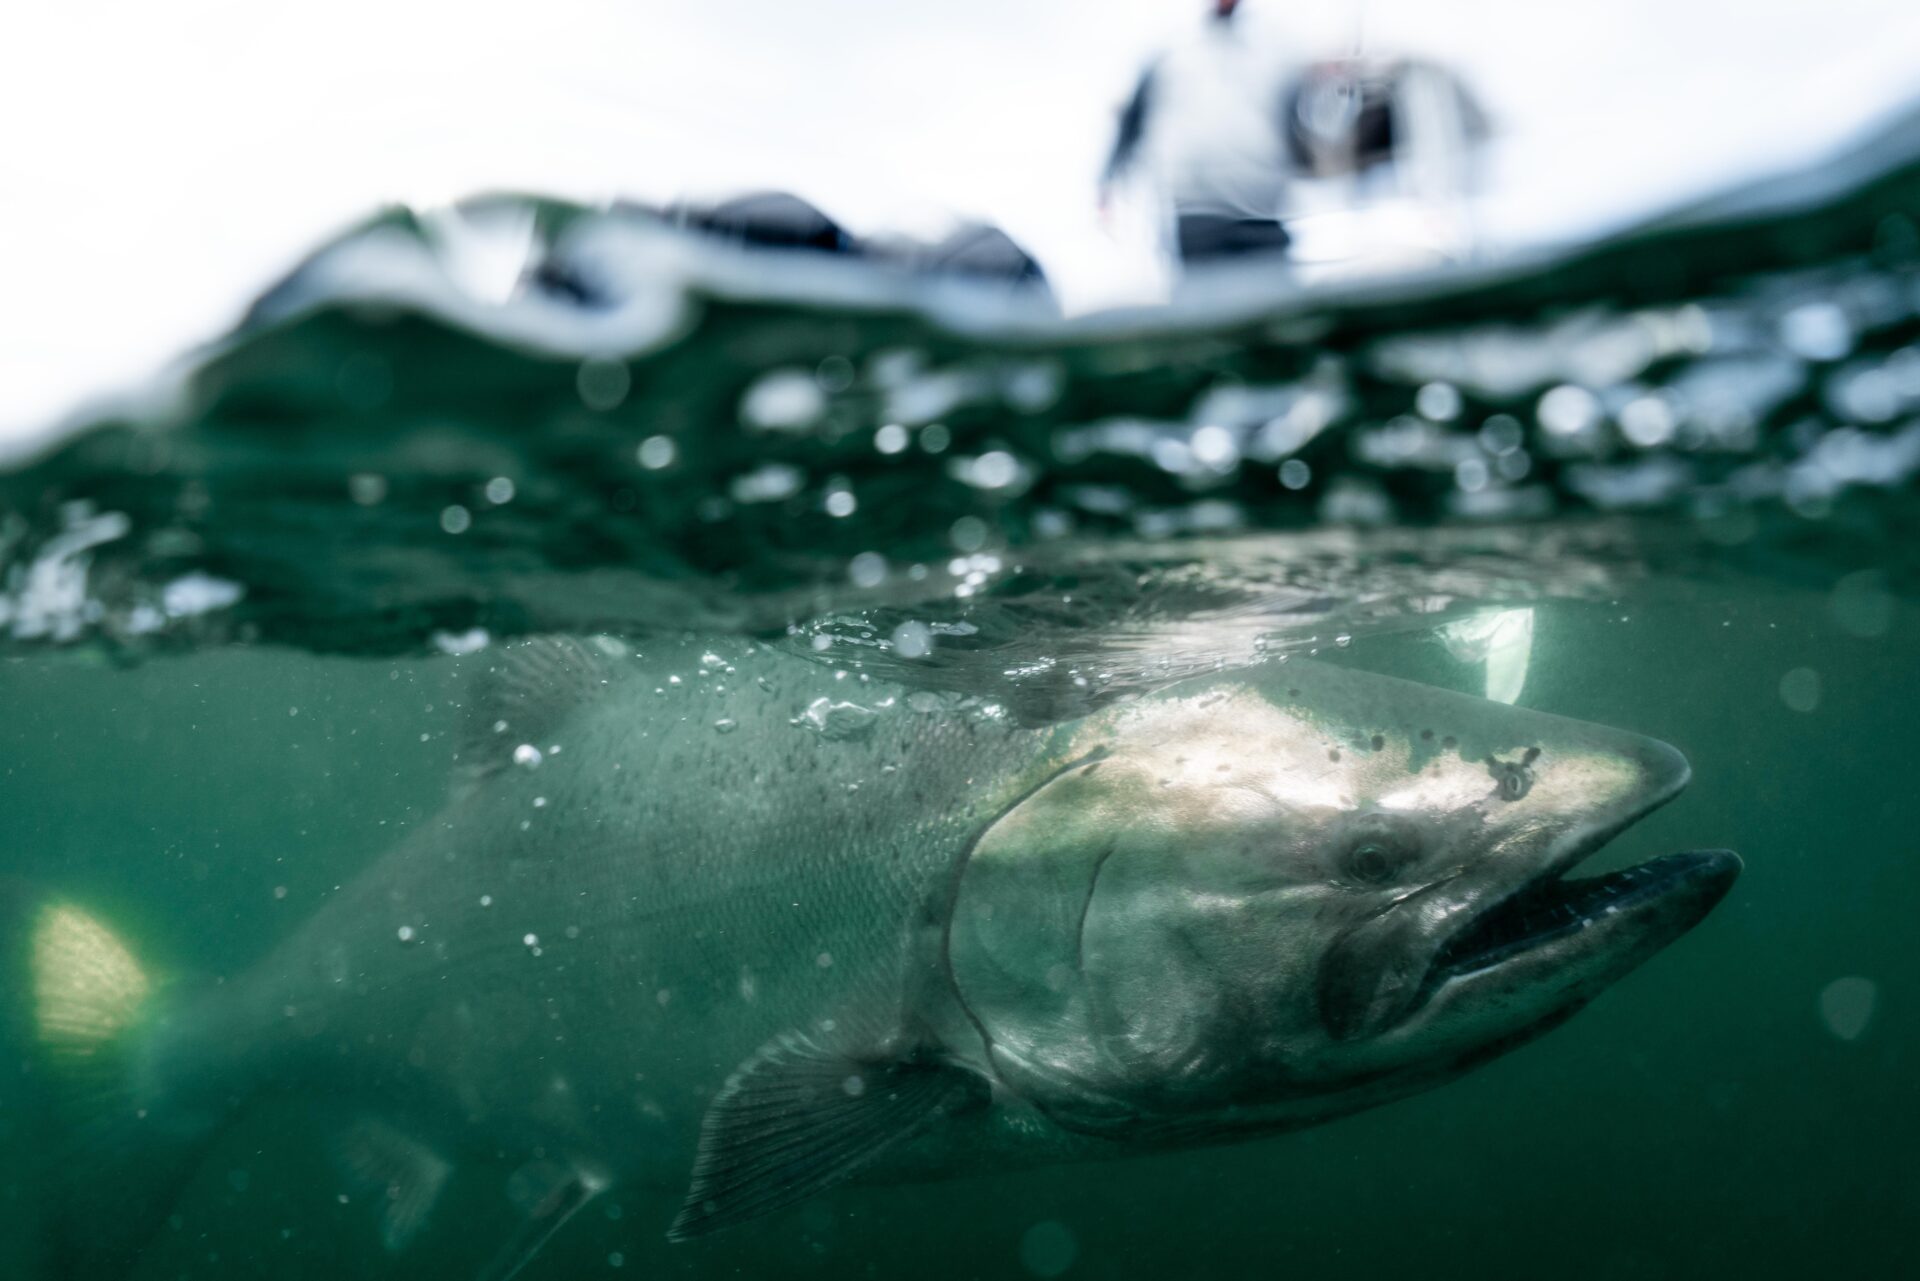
(727, 920)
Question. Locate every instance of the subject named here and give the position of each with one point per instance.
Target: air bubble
(1800, 689)
(1568, 410)
(656, 452)
(969, 533)
(603, 384)
(834, 374)
(367, 489)
(1438, 402)
(1048, 1248)
(1861, 605)
(1847, 1005)
(526, 756)
(912, 640)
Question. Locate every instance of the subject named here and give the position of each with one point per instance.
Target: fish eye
(1374, 861)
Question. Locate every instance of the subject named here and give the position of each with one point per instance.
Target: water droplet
(854, 1086)
(912, 640)
(837, 721)
(840, 503)
(1048, 1249)
(868, 569)
(783, 400)
(539, 802)
(1568, 410)
(834, 374)
(1861, 604)
(603, 384)
(656, 452)
(500, 490)
(366, 488)
(531, 940)
(1647, 421)
(969, 533)
(279, 891)
(824, 960)
(486, 900)
(1847, 1005)
(1501, 434)
(471, 641)
(526, 756)
(1214, 447)
(456, 519)
(995, 469)
(1437, 402)
(890, 439)
(405, 933)
(1294, 474)
(769, 483)
(616, 1259)
(1816, 331)
(1800, 689)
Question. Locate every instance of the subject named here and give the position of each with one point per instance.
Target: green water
(1705, 1116)
(230, 616)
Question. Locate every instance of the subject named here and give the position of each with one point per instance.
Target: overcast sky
(161, 161)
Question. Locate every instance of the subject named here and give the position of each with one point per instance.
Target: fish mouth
(1666, 895)
(1487, 955)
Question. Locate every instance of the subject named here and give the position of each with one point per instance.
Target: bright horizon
(167, 162)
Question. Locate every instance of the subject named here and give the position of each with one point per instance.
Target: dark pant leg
(1203, 237)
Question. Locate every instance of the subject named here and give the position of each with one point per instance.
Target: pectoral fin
(798, 1118)
(548, 1194)
(403, 1172)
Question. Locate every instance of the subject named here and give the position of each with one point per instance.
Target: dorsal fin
(523, 693)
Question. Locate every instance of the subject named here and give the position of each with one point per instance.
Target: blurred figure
(1201, 129)
(1236, 136)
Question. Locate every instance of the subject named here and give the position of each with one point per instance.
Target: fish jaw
(1480, 962)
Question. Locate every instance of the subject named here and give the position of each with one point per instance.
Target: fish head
(1261, 899)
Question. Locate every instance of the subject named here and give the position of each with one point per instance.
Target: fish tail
(77, 1009)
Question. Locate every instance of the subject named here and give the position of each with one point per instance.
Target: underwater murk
(739, 765)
